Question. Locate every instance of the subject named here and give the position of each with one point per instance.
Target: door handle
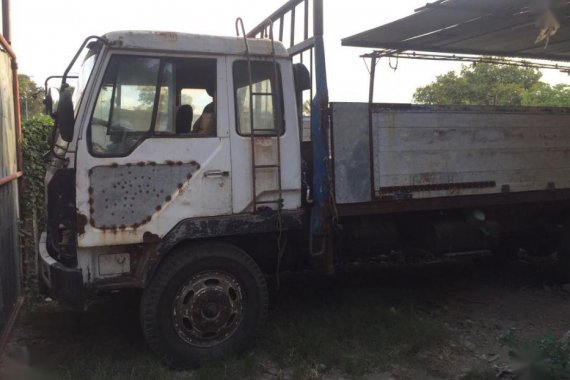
(216, 173)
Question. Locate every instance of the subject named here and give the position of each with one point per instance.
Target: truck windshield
(83, 78)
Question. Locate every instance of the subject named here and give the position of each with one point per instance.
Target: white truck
(157, 182)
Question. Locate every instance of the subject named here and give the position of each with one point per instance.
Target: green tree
(543, 94)
(493, 84)
(31, 97)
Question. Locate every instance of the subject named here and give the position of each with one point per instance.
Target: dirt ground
(442, 322)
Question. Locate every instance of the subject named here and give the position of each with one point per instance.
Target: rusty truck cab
(159, 152)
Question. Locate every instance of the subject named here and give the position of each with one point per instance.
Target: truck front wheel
(204, 303)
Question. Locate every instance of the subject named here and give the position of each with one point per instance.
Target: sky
(46, 35)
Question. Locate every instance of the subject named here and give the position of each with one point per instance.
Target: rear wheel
(205, 302)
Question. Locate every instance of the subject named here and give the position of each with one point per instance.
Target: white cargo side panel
(426, 152)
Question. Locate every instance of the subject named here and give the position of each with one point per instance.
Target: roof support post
(6, 25)
(322, 246)
(373, 62)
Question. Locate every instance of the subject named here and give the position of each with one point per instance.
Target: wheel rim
(208, 308)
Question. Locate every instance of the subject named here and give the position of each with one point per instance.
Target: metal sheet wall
(10, 271)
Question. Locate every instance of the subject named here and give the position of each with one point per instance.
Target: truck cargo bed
(437, 154)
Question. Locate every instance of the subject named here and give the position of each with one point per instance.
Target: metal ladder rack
(265, 133)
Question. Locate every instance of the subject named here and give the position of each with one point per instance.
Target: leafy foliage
(35, 145)
(552, 358)
(493, 84)
(543, 94)
(546, 358)
(31, 97)
(35, 131)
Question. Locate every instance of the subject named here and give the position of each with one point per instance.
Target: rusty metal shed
(10, 171)
(535, 29)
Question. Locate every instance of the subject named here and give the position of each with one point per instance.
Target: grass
(546, 358)
(348, 330)
(480, 375)
(315, 326)
(103, 344)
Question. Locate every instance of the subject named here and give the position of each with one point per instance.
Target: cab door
(155, 148)
(269, 162)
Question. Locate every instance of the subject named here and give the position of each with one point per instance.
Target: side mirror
(302, 78)
(303, 82)
(51, 101)
(65, 117)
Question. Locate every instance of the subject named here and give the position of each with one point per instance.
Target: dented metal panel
(429, 152)
(128, 195)
(184, 190)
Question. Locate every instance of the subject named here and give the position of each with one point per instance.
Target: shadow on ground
(440, 322)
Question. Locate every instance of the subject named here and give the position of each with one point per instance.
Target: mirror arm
(70, 66)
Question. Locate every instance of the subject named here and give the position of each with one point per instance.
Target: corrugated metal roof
(482, 27)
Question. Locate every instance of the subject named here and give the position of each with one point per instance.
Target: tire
(204, 303)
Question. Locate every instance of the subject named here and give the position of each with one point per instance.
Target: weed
(241, 367)
(547, 358)
(480, 375)
(352, 332)
(509, 338)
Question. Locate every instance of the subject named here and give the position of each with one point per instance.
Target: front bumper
(63, 284)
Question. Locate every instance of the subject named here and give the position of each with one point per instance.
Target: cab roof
(195, 43)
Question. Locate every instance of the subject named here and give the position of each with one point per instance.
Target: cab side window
(259, 103)
(196, 88)
(143, 97)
